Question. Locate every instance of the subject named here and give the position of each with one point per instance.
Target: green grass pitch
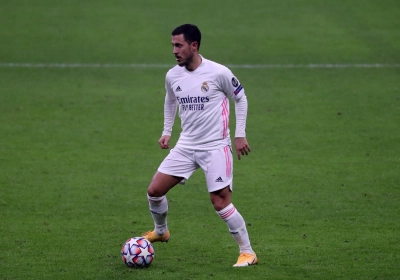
(320, 190)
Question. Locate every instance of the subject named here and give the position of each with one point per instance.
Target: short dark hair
(191, 33)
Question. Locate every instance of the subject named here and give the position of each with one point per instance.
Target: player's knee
(219, 202)
(217, 206)
(154, 192)
(155, 189)
(161, 184)
(221, 198)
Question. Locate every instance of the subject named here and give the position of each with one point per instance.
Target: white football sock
(237, 227)
(159, 209)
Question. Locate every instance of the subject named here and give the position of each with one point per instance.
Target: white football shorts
(216, 164)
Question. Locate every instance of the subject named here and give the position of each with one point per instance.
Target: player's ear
(194, 46)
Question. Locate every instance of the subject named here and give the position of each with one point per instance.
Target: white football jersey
(202, 98)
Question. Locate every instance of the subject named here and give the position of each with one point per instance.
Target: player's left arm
(241, 145)
(234, 89)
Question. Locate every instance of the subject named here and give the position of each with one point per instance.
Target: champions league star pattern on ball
(137, 252)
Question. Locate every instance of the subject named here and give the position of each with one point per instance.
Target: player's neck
(194, 63)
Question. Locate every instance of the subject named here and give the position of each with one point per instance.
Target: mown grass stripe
(155, 65)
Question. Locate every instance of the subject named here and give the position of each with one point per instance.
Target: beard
(187, 61)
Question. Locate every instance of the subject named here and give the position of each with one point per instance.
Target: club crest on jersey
(204, 87)
(235, 82)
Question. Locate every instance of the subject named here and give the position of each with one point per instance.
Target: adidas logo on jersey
(178, 88)
(219, 180)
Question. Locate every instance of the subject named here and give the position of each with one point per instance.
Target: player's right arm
(170, 106)
(164, 141)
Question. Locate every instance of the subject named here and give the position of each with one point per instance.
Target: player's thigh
(218, 169)
(161, 184)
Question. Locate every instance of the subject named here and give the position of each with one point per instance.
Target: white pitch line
(360, 65)
(155, 65)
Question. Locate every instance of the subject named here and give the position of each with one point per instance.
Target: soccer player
(201, 88)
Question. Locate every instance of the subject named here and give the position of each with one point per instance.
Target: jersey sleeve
(231, 85)
(170, 107)
(241, 116)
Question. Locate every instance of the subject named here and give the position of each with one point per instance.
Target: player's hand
(164, 141)
(241, 146)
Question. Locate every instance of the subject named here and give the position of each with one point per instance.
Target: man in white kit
(201, 88)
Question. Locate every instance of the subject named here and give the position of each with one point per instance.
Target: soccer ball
(137, 252)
